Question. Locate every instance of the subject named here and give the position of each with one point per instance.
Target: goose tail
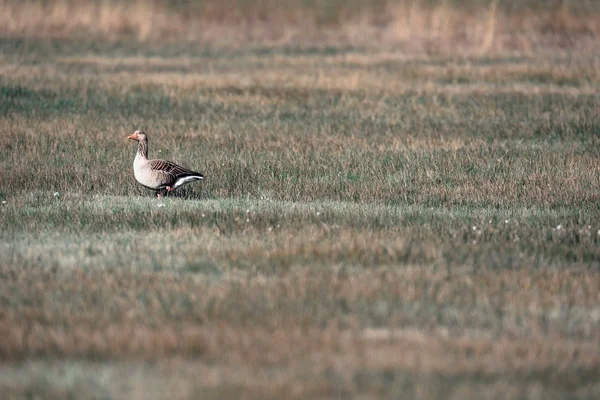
(196, 176)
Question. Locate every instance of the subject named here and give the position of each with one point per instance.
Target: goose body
(159, 175)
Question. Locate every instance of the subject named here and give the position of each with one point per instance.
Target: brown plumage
(159, 175)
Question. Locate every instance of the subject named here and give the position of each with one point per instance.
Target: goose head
(138, 136)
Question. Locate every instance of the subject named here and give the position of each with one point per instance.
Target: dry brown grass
(251, 325)
(157, 315)
(478, 27)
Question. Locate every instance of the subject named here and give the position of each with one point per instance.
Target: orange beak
(133, 136)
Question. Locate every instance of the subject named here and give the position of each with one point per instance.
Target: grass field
(378, 220)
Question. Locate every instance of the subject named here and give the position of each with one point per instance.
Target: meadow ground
(375, 222)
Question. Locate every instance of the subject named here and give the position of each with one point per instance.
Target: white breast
(142, 172)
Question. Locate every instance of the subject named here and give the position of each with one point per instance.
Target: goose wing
(172, 172)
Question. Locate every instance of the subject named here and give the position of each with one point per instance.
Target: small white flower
(3, 201)
(203, 215)
(56, 194)
(490, 221)
(248, 211)
(247, 219)
(160, 205)
(474, 228)
(506, 221)
(318, 213)
(598, 232)
(559, 227)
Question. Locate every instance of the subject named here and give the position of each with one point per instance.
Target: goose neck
(143, 148)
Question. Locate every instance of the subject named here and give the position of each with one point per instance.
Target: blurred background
(427, 25)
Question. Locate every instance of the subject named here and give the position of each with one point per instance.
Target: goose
(159, 175)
